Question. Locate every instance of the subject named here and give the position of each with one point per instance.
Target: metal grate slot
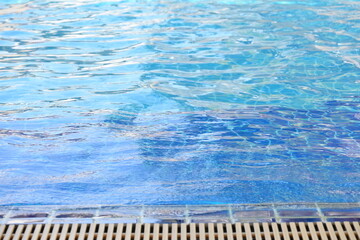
(192, 231)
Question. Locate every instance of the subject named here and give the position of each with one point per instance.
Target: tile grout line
(7, 216)
(276, 214)
(321, 215)
(232, 220)
(50, 218)
(187, 218)
(96, 215)
(141, 218)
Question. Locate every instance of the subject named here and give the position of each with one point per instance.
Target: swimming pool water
(179, 102)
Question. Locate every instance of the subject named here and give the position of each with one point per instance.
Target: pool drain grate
(192, 231)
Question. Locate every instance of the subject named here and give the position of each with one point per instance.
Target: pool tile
(158, 220)
(210, 220)
(213, 211)
(300, 219)
(4, 211)
(252, 214)
(287, 206)
(257, 207)
(25, 220)
(338, 205)
(121, 212)
(72, 220)
(329, 212)
(343, 219)
(298, 213)
(115, 220)
(182, 213)
(250, 220)
(75, 215)
(28, 213)
(200, 214)
(166, 212)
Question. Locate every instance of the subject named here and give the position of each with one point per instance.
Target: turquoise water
(179, 102)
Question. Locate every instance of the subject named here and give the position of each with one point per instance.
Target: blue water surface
(179, 102)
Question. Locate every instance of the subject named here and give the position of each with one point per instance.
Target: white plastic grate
(192, 231)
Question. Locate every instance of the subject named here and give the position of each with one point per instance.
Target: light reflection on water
(185, 102)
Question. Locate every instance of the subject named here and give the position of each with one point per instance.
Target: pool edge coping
(224, 213)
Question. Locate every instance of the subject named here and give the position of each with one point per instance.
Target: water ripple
(193, 101)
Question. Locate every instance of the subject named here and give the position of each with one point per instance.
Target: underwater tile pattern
(181, 214)
(179, 102)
